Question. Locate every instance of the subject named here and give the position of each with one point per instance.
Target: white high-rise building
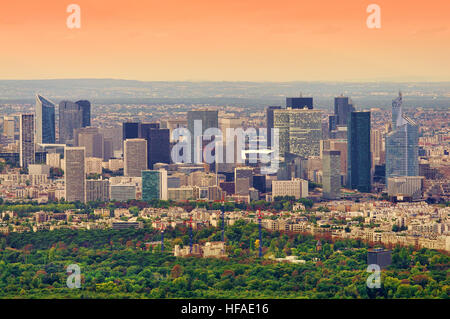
(331, 175)
(74, 174)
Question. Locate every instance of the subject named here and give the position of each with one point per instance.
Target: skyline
(238, 156)
(223, 41)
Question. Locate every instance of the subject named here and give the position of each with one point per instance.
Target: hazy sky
(255, 40)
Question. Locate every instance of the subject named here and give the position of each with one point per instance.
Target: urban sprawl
(379, 176)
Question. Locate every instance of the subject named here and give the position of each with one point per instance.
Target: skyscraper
(26, 143)
(299, 103)
(154, 185)
(74, 174)
(209, 119)
(130, 130)
(359, 159)
(397, 110)
(331, 174)
(243, 180)
(231, 145)
(341, 146)
(402, 149)
(86, 112)
(270, 123)
(135, 156)
(342, 109)
(91, 139)
(300, 131)
(226, 123)
(70, 118)
(332, 123)
(9, 127)
(376, 145)
(114, 135)
(45, 121)
(158, 140)
(281, 120)
(144, 127)
(158, 143)
(108, 148)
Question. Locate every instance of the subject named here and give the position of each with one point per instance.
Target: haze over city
(232, 40)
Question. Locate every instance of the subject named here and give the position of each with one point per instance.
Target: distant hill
(371, 94)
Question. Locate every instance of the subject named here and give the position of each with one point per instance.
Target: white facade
(296, 187)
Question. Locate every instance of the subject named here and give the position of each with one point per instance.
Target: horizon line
(233, 81)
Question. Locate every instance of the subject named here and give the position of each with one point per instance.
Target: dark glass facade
(150, 185)
(158, 144)
(86, 112)
(359, 159)
(158, 140)
(299, 102)
(342, 110)
(70, 118)
(269, 125)
(130, 130)
(45, 121)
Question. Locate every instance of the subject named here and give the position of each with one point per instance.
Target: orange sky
(282, 40)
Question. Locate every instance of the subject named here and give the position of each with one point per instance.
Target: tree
(401, 258)
(308, 203)
(176, 271)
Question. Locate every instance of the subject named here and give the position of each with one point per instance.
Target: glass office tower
(342, 109)
(402, 144)
(45, 121)
(359, 159)
(150, 185)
